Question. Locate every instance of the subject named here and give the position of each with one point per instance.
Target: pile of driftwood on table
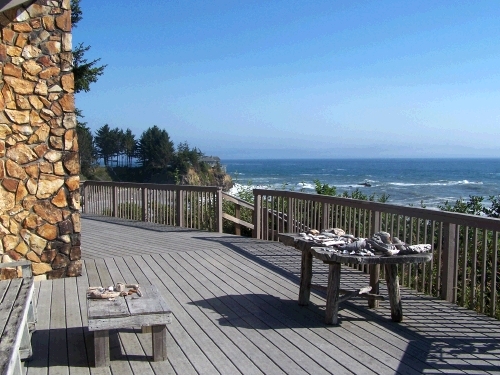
(381, 243)
(111, 292)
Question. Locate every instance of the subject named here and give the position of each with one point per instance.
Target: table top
(293, 239)
(150, 303)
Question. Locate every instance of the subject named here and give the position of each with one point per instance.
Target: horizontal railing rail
(465, 265)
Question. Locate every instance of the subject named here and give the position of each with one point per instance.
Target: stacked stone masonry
(39, 163)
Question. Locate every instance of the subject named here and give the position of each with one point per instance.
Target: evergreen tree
(86, 149)
(129, 146)
(85, 72)
(155, 148)
(109, 142)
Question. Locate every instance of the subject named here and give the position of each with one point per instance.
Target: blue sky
(299, 79)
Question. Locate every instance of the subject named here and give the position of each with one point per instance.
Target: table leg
(305, 278)
(332, 294)
(391, 277)
(374, 283)
(159, 342)
(101, 348)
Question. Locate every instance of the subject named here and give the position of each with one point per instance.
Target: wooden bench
(132, 311)
(17, 319)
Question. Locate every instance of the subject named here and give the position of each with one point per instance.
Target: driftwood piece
(95, 294)
(118, 290)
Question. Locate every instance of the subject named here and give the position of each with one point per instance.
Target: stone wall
(39, 165)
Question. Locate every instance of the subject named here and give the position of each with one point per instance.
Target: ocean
(406, 181)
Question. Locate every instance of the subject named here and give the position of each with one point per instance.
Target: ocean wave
(305, 185)
(438, 183)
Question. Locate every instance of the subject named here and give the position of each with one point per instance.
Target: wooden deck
(235, 311)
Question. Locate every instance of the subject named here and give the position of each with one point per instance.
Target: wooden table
(334, 260)
(131, 311)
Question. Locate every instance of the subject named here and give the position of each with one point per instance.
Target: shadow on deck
(235, 311)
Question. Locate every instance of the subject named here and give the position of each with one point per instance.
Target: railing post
(179, 208)
(218, 212)
(448, 265)
(144, 198)
(257, 216)
(115, 200)
(237, 214)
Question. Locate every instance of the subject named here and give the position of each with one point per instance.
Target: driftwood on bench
(17, 319)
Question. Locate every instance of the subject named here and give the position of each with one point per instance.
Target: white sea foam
(437, 183)
(305, 185)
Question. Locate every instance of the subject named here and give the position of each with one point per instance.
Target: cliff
(212, 177)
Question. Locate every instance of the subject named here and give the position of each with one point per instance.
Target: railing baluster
(482, 300)
(473, 273)
(494, 275)
(463, 258)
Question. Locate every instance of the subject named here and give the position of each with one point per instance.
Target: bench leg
(391, 277)
(332, 294)
(305, 278)
(159, 342)
(374, 283)
(101, 348)
(25, 350)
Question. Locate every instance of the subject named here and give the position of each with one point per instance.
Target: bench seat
(17, 319)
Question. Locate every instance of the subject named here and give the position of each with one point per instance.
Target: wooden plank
(77, 352)
(92, 274)
(105, 309)
(103, 272)
(12, 288)
(149, 303)
(40, 342)
(58, 344)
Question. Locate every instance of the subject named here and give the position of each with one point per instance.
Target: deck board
(235, 311)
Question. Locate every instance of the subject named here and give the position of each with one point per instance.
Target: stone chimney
(39, 165)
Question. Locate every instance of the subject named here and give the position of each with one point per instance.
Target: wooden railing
(184, 206)
(465, 265)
